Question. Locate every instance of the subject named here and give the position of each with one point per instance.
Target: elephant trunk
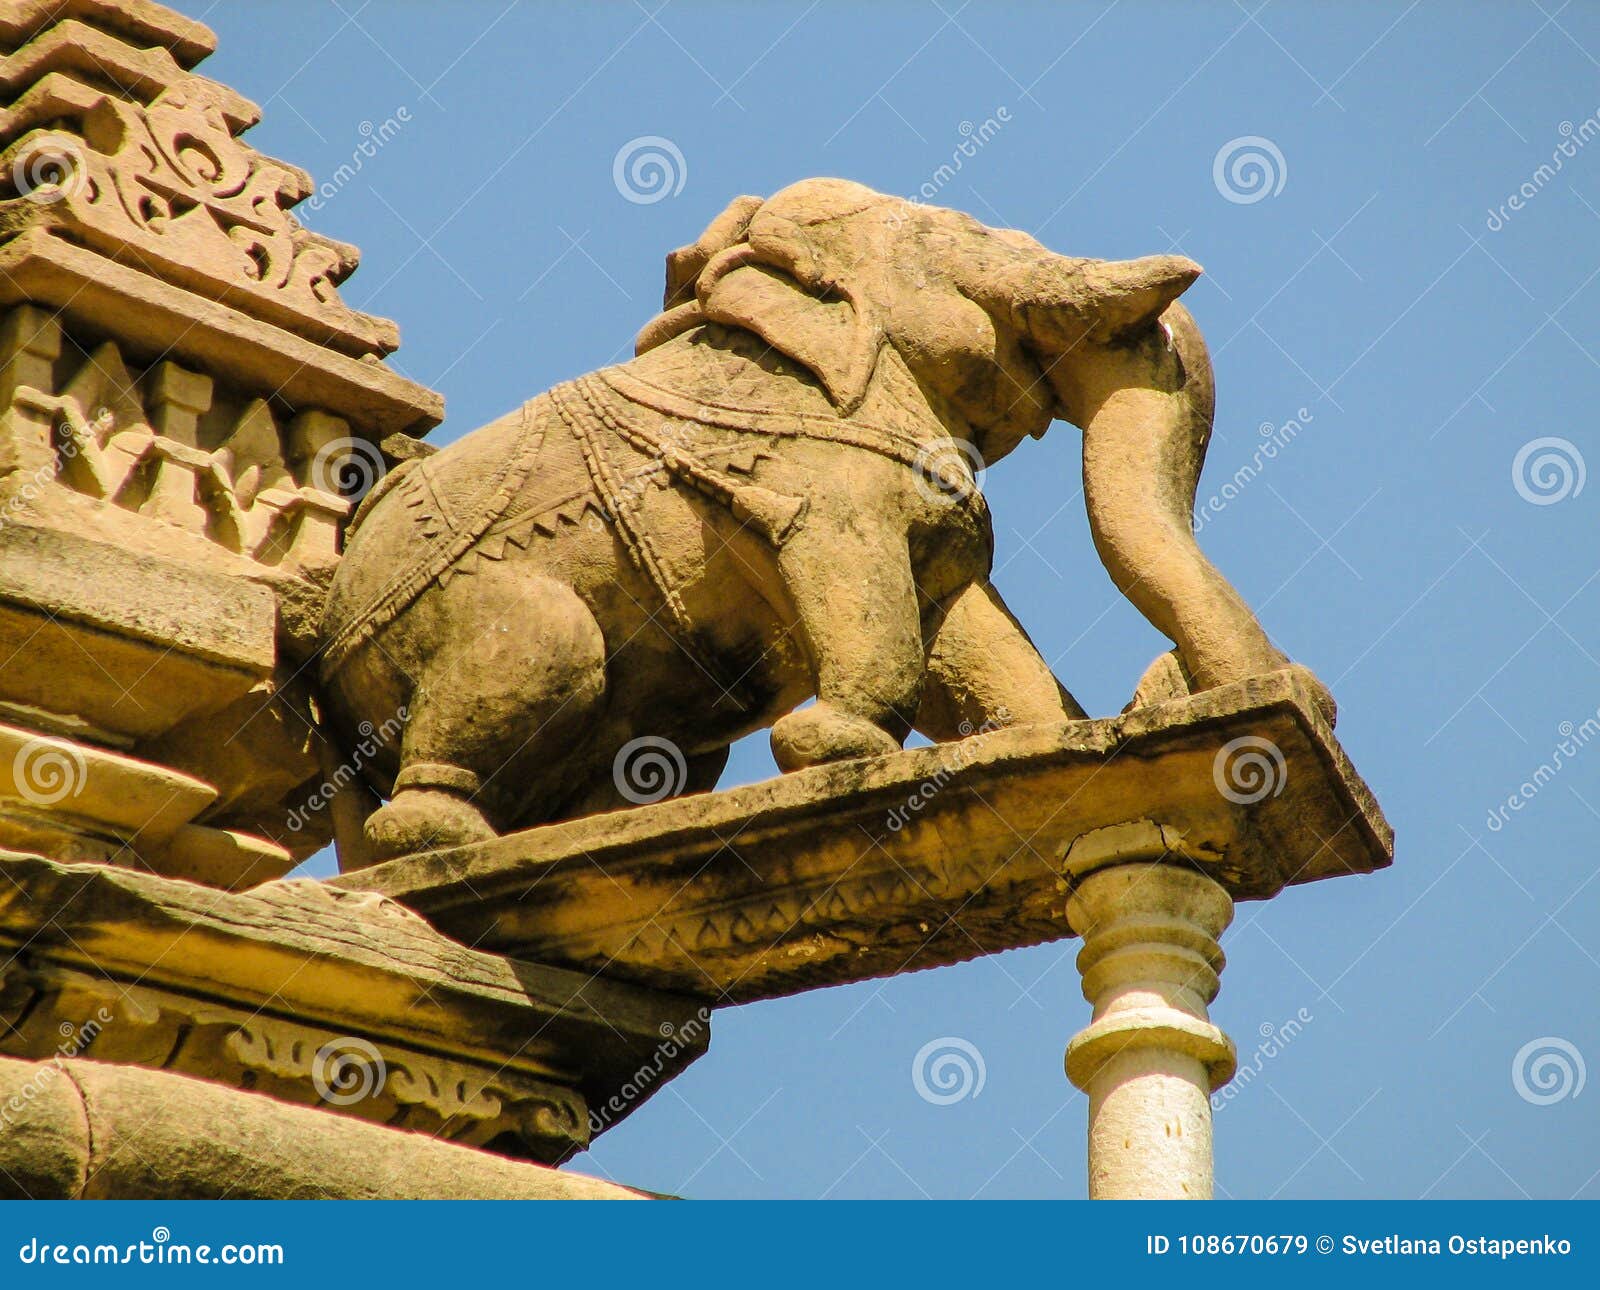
(1145, 406)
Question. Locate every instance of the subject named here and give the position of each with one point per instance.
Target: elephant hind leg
(497, 714)
(426, 816)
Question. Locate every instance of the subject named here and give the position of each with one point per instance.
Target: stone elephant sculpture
(774, 501)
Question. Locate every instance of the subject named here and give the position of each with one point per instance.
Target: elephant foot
(424, 819)
(823, 733)
(1320, 694)
(1165, 680)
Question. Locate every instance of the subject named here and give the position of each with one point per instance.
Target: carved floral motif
(167, 186)
(49, 1011)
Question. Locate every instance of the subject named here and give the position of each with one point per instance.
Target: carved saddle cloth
(586, 452)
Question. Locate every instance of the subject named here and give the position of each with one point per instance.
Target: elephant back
(428, 515)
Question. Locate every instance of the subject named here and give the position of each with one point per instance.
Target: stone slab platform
(925, 857)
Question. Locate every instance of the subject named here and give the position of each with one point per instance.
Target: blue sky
(1379, 290)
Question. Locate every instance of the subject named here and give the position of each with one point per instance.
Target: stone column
(1150, 1058)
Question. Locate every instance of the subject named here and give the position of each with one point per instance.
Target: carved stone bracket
(921, 858)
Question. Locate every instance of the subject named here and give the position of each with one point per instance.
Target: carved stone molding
(130, 205)
(343, 1000)
(118, 148)
(79, 1129)
(46, 1010)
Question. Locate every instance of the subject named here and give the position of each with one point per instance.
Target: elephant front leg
(857, 605)
(984, 672)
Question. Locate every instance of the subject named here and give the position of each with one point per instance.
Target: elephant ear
(836, 336)
(768, 267)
